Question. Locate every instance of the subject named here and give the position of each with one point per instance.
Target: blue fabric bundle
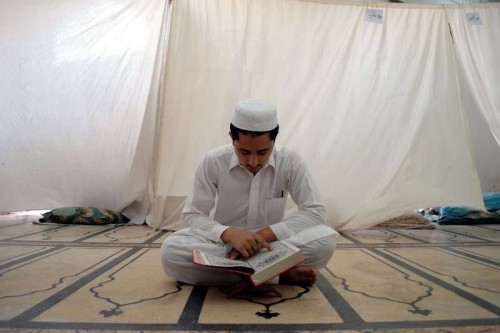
(463, 215)
(492, 201)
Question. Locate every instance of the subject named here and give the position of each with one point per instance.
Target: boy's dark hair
(235, 132)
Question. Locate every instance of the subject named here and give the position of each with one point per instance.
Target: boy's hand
(244, 243)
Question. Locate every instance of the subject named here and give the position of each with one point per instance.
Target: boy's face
(253, 151)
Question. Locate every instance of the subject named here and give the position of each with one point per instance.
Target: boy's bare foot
(300, 275)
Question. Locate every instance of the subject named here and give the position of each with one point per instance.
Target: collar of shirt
(235, 162)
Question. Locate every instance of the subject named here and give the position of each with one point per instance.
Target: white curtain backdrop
(376, 96)
(485, 147)
(78, 98)
(476, 32)
(368, 94)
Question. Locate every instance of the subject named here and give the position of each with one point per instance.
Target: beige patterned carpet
(105, 278)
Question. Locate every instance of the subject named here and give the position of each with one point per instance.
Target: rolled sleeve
(281, 230)
(217, 232)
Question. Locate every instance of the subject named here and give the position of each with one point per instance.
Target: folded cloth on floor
(83, 215)
(463, 215)
(492, 201)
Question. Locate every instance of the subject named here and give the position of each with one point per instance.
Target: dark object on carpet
(406, 221)
(83, 215)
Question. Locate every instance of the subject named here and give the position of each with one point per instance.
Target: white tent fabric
(78, 98)
(370, 94)
(476, 32)
(476, 41)
(373, 106)
(484, 146)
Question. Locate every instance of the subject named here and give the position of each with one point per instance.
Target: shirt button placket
(253, 207)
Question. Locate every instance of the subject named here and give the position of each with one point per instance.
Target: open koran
(260, 267)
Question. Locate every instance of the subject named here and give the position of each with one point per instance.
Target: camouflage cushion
(83, 215)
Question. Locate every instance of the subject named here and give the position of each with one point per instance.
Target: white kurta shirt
(225, 194)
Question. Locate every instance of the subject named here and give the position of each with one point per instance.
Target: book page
(266, 258)
(224, 262)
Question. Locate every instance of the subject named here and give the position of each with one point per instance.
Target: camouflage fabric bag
(83, 215)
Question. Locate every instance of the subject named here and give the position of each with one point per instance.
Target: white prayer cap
(255, 115)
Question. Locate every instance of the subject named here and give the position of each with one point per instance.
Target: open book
(260, 267)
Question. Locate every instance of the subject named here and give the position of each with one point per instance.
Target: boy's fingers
(244, 253)
(256, 246)
(234, 254)
(264, 243)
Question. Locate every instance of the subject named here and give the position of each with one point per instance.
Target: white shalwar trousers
(317, 244)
